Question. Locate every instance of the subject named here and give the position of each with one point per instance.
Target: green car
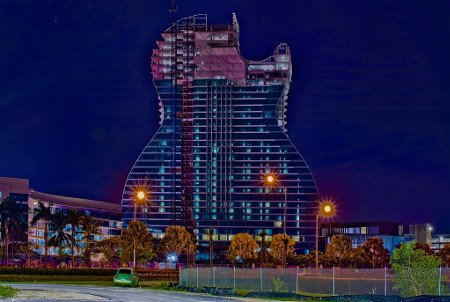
(125, 276)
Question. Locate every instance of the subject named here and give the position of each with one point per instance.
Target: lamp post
(271, 180)
(140, 198)
(326, 209)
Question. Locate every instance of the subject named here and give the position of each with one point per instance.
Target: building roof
(76, 202)
(15, 185)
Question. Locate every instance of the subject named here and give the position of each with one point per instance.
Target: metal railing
(329, 281)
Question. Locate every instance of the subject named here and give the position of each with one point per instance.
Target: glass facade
(223, 128)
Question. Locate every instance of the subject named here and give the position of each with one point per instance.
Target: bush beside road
(7, 291)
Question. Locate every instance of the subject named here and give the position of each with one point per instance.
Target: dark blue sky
(368, 109)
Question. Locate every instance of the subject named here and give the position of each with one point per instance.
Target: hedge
(56, 278)
(39, 271)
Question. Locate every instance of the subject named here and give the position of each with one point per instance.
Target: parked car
(126, 276)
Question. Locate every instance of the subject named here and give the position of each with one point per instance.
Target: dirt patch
(26, 294)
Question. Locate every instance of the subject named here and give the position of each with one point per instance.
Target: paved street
(83, 293)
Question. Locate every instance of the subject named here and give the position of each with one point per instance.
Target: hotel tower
(222, 133)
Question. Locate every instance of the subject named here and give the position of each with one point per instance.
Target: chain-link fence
(331, 281)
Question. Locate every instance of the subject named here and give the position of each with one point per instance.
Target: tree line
(61, 230)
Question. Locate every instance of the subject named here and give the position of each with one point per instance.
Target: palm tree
(89, 227)
(73, 218)
(43, 212)
(60, 238)
(11, 218)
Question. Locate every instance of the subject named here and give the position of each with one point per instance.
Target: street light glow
(172, 257)
(140, 195)
(327, 208)
(270, 179)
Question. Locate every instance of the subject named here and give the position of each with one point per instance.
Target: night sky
(368, 108)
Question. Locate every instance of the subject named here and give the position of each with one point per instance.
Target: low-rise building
(107, 214)
(438, 241)
(392, 233)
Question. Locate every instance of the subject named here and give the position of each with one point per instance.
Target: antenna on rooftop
(173, 6)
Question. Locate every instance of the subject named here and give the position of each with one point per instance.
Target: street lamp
(140, 198)
(327, 209)
(271, 180)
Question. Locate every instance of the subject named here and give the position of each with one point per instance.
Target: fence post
(234, 278)
(334, 282)
(260, 279)
(296, 280)
(197, 276)
(214, 276)
(181, 278)
(187, 273)
(440, 280)
(385, 281)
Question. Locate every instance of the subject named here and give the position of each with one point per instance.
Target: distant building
(438, 241)
(392, 233)
(109, 214)
(421, 232)
(16, 189)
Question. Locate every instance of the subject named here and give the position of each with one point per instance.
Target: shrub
(279, 285)
(416, 273)
(7, 291)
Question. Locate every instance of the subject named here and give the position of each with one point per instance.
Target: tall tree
(264, 258)
(242, 248)
(89, 228)
(444, 254)
(376, 254)
(282, 247)
(12, 220)
(136, 238)
(340, 248)
(177, 240)
(44, 213)
(73, 218)
(110, 247)
(358, 258)
(60, 238)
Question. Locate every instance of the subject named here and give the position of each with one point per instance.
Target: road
(84, 293)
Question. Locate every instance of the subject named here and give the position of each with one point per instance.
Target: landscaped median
(103, 276)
